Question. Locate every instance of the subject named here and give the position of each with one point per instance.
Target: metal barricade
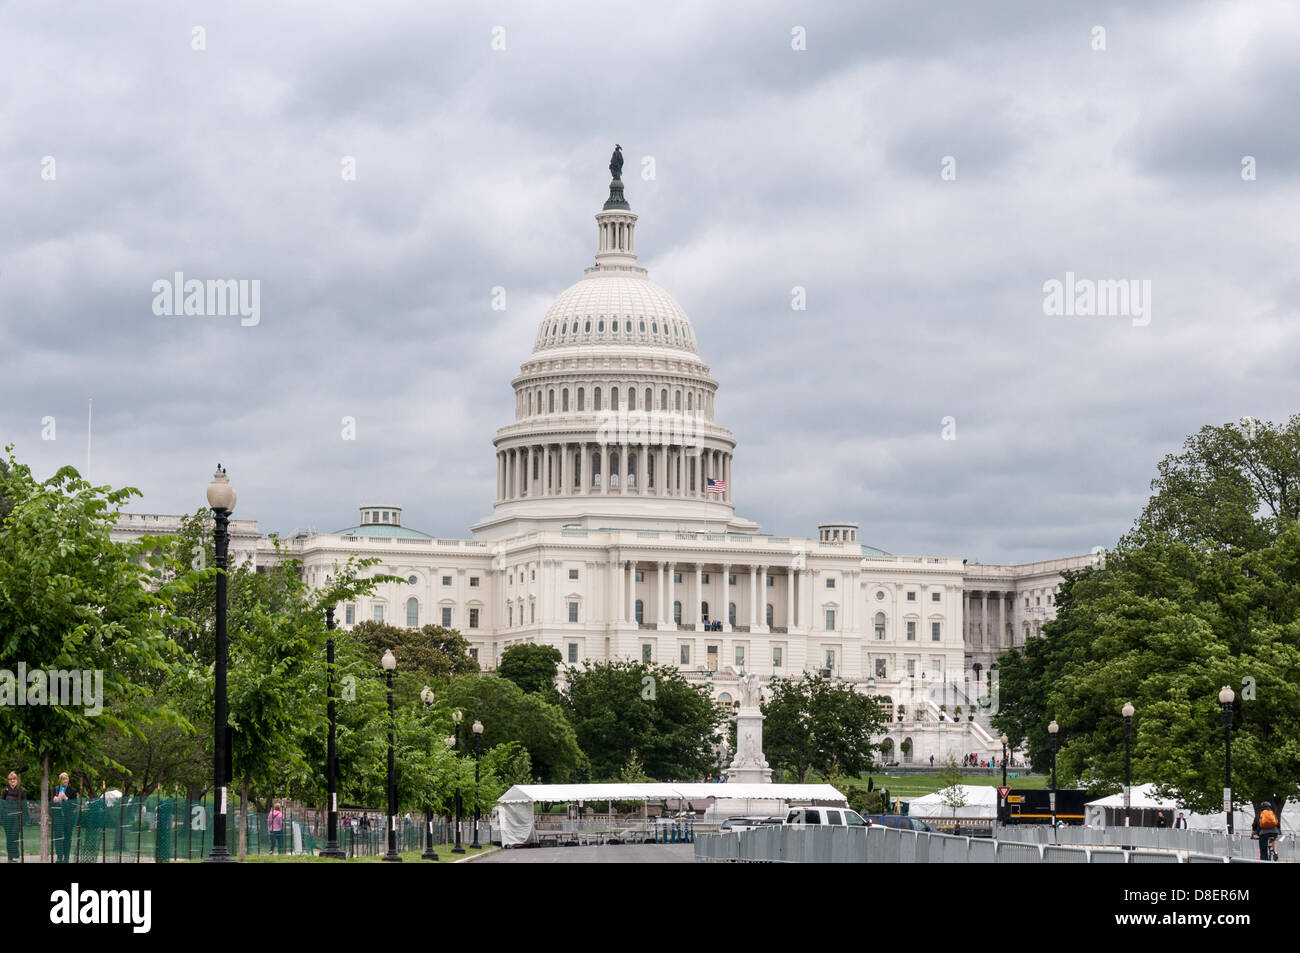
(1064, 855)
(1012, 853)
(981, 851)
(1196, 858)
(1152, 857)
(1106, 855)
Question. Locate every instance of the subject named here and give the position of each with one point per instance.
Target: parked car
(824, 816)
(900, 821)
(748, 823)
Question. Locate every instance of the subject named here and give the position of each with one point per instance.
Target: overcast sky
(821, 168)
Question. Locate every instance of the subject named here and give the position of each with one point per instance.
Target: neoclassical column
(561, 488)
(631, 592)
(585, 471)
(642, 468)
(726, 597)
(753, 598)
(984, 617)
(616, 586)
(789, 599)
(672, 595)
(965, 618)
(697, 613)
(604, 469)
(659, 597)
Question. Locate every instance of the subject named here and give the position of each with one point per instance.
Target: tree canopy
(532, 667)
(815, 723)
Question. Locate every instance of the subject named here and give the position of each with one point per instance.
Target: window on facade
(573, 652)
(677, 612)
(412, 613)
(830, 658)
(769, 614)
(911, 597)
(595, 399)
(640, 611)
(771, 581)
(704, 611)
(446, 580)
(648, 403)
(631, 399)
(830, 583)
(532, 612)
(379, 613)
(935, 632)
(934, 597)
(473, 618)
(740, 655)
(731, 613)
(446, 617)
(550, 402)
(677, 577)
(911, 668)
(880, 668)
(473, 582)
(564, 399)
(776, 656)
(573, 612)
(510, 616)
(663, 400)
(704, 578)
(640, 575)
(573, 574)
(731, 579)
(473, 653)
(350, 614)
(647, 651)
(613, 398)
(830, 619)
(685, 655)
(911, 631)
(880, 625)
(582, 398)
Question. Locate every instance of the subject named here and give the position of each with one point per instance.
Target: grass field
(916, 785)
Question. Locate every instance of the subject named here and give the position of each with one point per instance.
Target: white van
(824, 816)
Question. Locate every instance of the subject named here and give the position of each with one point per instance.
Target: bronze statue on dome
(616, 162)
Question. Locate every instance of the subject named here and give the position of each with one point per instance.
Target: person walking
(1264, 826)
(1181, 823)
(11, 812)
(1160, 818)
(275, 823)
(64, 811)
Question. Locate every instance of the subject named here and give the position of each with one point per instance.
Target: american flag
(717, 486)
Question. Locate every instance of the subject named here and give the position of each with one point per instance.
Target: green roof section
(873, 551)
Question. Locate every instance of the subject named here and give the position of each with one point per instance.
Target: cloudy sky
(128, 155)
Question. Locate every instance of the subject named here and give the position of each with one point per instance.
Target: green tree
(814, 723)
(71, 599)
(424, 655)
(532, 667)
(950, 785)
(621, 707)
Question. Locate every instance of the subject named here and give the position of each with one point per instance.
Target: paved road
(611, 854)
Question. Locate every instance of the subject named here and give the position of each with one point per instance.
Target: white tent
(1144, 797)
(981, 803)
(515, 808)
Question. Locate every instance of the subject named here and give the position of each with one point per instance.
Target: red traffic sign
(1003, 791)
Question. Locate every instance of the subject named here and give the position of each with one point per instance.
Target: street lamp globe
(426, 695)
(1226, 695)
(449, 741)
(1127, 710)
(478, 727)
(221, 495)
(1053, 728)
(389, 661)
(1004, 739)
(456, 716)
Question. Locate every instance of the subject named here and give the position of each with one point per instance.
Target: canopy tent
(515, 808)
(981, 803)
(1109, 810)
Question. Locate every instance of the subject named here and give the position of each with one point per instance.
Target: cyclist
(1265, 828)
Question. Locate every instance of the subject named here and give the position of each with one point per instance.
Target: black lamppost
(332, 848)
(426, 696)
(221, 498)
(456, 717)
(1004, 740)
(1226, 697)
(1127, 712)
(390, 663)
(1052, 729)
(478, 752)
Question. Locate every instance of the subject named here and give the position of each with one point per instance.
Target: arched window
(577, 469)
(691, 485)
(880, 625)
(412, 612)
(595, 469)
(600, 325)
(769, 615)
(649, 399)
(731, 613)
(704, 611)
(588, 327)
(677, 612)
(663, 399)
(631, 399)
(690, 400)
(613, 398)
(640, 611)
(582, 398)
(631, 469)
(510, 616)
(650, 471)
(575, 327)
(530, 403)
(613, 469)
(643, 326)
(678, 400)
(551, 401)
(595, 399)
(654, 327)
(564, 400)
(907, 750)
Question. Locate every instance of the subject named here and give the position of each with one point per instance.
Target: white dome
(615, 309)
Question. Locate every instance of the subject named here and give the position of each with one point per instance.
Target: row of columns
(623, 583)
(565, 469)
(978, 632)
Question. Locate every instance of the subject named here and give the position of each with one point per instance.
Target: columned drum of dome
(614, 410)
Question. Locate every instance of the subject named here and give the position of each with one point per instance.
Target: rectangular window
(740, 655)
(934, 632)
(640, 576)
(677, 577)
(446, 580)
(776, 656)
(573, 612)
(911, 668)
(704, 578)
(573, 652)
(473, 653)
(646, 651)
(830, 583)
(934, 597)
(686, 655)
(880, 668)
(830, 658)
(911, 597)
(473, 618)
(473, 582)
(350, 614)
(771, 581)
(446, 617)
(573, 574)
(911, 631)
(379, 613)
(731, 579)
(830, 618)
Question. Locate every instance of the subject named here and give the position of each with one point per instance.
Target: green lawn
(408, 857)
(916, 785)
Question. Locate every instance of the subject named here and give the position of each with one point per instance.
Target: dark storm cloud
(820, 169)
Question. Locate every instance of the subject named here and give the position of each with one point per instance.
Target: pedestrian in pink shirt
(275, 822)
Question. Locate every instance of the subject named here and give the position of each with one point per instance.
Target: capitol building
(614, 535)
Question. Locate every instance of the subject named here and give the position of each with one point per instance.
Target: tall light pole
(1226, 698)
(456, 717)
(1052, 729)
(478, 752)
(1127, 712)
(332, 848)
(1004, 741)
(221, 498)
(426, 696)
(390, 663)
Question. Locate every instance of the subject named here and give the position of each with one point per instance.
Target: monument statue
(750, 692)
(616, 162)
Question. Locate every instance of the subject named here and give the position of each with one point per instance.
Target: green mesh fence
(117, 829)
